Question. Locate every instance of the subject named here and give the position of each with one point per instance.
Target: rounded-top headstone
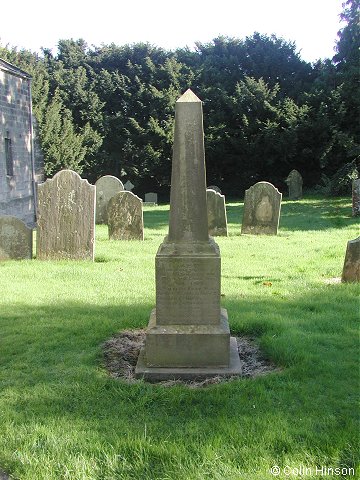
(65, 218)
(261, 209)
(106, 187)
(214, 187)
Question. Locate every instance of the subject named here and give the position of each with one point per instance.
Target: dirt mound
(121, 353)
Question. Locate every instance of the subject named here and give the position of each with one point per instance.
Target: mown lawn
(63, 417)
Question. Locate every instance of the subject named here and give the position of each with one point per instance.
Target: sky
(311, 24)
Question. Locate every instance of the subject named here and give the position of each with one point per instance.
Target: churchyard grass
(63, 417)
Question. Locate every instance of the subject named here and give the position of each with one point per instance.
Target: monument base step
(187, 346)
(156, 374)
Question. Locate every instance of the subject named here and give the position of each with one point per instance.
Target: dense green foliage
(110, 109)
(62, 417)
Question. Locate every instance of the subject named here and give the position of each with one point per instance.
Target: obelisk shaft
(188, 334)
(188, 212)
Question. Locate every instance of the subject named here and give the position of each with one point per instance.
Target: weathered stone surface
(188, 335)
(351, 270)
(188, 345)
(294, 182)
(125, 217)
(158, 374)
(106, 187)
(15, 239)
(261, 209)
(151, 197)
(66, 218)
(187, 289)
(128, 186)
(216, 211)
(356, 197)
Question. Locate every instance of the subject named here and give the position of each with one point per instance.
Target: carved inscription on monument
(187, 290)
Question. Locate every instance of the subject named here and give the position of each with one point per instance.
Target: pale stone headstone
(106, 187)
(65, 218)
(128, 186)
(294, 182)
(125, 217)
(351, 270)
(356, 197)
(151, 198)
(15, 239)
(214, 187)
(261, 209)
(216, 211)
(188, 334)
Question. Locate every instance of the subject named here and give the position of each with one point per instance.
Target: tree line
(110, 109)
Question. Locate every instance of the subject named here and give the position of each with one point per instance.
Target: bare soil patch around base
(121, 353)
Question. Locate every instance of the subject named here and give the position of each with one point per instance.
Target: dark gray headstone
(66, 218)
(261, 209)
(151, 197)
(294, 182)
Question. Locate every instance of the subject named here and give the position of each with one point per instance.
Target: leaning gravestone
(294, 182)
(125, 217)
(356, 197)
(128, 186)
(188, 334)
(261, 209)
(65, 218)
(351, 270)
(216, 212)
(106, 187)
(15, 239)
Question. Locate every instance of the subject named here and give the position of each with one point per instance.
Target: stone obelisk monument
(188, 334)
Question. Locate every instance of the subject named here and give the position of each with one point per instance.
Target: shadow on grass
(51, 356)
(156, 219)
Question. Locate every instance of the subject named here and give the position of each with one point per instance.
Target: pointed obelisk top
(188, 213)
(188, 96)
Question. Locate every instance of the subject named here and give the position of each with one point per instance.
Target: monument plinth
(188, 334)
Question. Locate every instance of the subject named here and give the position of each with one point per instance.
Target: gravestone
(125, 217)
(356, 197)
(151, 198)
(128, 186)
(188, 334)
(351, 270)
(294, 182)
(216, 212)
(261, 209)
(214, 187)
(15, 239)
(65, 218)
(106, 187)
